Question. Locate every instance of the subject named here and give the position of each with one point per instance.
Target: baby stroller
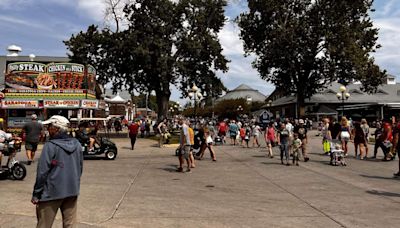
(218, 140)
(337, 154)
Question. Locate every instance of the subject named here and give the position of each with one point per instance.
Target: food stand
(66, 89)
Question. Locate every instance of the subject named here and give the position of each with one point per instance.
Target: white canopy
(117, 99)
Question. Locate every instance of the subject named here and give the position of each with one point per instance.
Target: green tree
(165, 43)
(302, 46)
(229, 108)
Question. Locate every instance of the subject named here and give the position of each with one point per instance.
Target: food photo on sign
(25, 76)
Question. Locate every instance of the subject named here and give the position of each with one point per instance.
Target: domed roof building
(244, 92)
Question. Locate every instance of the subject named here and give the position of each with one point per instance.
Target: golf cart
(102, 146)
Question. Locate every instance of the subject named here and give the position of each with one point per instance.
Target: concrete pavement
(242, 189)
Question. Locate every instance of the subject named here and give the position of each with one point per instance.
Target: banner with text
(23, 76)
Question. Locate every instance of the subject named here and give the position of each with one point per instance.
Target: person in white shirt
(184, 147)
(256, 130)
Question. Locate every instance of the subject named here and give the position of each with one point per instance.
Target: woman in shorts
(345, 134)
(270, 139)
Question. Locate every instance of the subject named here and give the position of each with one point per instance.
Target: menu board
(61, 103)
(54, 76)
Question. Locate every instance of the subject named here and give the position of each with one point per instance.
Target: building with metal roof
(244, 92)
(359, 104)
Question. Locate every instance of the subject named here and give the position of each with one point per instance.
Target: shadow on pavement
(325, 162)
(380, 193)
(271, 163)
(258, 156)
(379, 177)
(169, 169)
(94, 158)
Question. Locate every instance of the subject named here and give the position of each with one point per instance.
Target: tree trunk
(301, 109)
(162, 103)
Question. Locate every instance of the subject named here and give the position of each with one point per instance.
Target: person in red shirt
(222, 129)
(133, 131)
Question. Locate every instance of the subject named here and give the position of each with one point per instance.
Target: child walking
(296, 145)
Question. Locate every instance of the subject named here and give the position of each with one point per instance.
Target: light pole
(196, 95)
(239, 110)
(342, 96)
(171, 110)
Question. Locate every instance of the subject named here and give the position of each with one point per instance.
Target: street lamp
(342, 96)
(196, 95)
(171, 110)
(239, 110)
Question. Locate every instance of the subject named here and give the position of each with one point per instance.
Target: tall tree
(302, 46)
(165, 43)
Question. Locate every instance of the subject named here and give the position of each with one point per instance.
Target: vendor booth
(65, 89)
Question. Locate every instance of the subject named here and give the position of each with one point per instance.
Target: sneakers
(188, 170)
(29, 162)
(180, 170)
(306, 159)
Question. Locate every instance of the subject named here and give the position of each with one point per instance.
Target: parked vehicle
(13, 168)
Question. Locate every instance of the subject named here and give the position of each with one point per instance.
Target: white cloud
(93, 8)
(230, 41)
(389, 37)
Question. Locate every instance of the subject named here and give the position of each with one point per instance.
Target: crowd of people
(196, 136)
(290, 136)
(345, 131)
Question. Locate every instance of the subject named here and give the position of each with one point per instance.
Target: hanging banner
(61, 103)
(90, 104)
(15, 104)
(23, 76)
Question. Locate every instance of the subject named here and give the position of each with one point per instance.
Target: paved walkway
(242, 189)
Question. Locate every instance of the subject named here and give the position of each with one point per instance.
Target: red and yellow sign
(61, 103)
(15, 104)
(31, 79)
(90, 104)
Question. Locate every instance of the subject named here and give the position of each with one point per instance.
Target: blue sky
(39, 26)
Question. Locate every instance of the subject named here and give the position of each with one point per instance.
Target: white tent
(117, 99)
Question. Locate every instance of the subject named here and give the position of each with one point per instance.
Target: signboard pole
(86, 81)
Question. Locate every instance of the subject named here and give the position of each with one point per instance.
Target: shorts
(31, 146)
(233, 136)
(185, 152)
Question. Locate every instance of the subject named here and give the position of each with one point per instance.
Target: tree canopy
(301, 46)
(165, 43)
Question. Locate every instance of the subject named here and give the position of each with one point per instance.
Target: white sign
(61, 103)
(90, 104)
(19, 104)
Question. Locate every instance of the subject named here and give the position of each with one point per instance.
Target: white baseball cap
(34, 116)
(301, 121)
(58, 121)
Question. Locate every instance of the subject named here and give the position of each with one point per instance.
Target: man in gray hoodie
(58, 175)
